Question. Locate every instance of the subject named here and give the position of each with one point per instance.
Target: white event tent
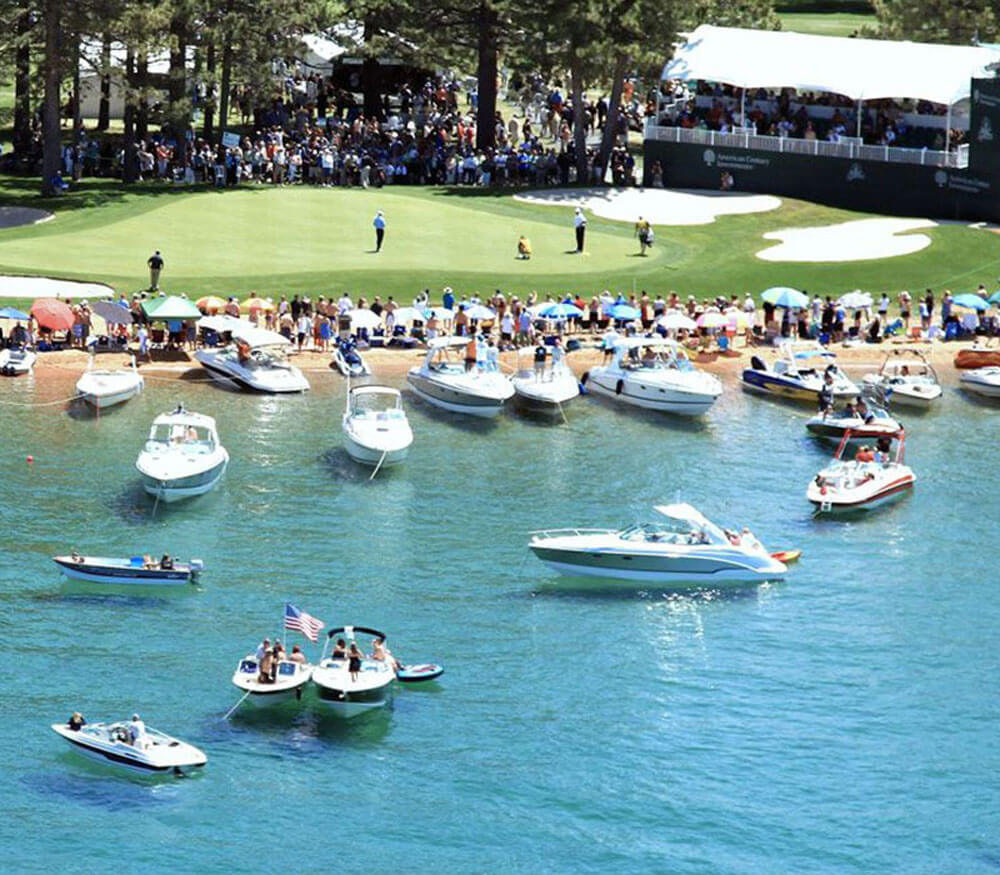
(862, 69)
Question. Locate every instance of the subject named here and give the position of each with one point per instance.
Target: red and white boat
(875, 476)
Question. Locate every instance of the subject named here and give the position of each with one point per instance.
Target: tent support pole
(947, 130)
(743, 107)
(858, 134)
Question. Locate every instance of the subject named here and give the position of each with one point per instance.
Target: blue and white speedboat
(115, 744)
(137, 570)
(684, 548)
(798, 373)
(182, 456)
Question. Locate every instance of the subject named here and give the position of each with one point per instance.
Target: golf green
(321, 241)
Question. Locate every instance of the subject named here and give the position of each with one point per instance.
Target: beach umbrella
(478, 311)
(170, 307)
(52, 313)
(11, 313)
(712, 319)
(210, 303)
(994, 298)
(560, 311)
(623, 312)
(856, 300)
(364, 318)
(112, 313)
(970, 300)
(408, 314)
(256, 304)
(675, 321)
(443, 313)
(782, 296)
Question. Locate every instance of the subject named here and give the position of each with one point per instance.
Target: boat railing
(542, 534)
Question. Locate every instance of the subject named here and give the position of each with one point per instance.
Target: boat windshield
(179, 435)
(673, 532)
(376, 405)
(654, 358)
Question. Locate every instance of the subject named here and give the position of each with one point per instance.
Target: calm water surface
(844, 720)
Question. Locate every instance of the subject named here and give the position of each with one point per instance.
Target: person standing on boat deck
(155, 265)
(379, 225)
(76, 721)
(378, 650)
(826, 394)
(354, 663)
(266, 666)
(137, 732)
(339, 649)
(580, 225)
(262, 648)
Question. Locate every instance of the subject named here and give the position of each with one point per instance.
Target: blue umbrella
(11, 313)
(783, 296)
(478, 311)
(560, 311)
(623, 311)
(972, 301)
(994, 298)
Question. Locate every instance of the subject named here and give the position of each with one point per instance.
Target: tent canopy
(172, 307)
(862, 69)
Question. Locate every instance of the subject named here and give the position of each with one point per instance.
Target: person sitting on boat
(137, 732)
(76, 721)
(864, 454)
(148, 562)
(297, 655)
(826, 394)
(76, 557)
(354, 663)
(339, 650)
(864, 414)
(749, 539)
(191, 435)
(733, 537)
(166, 563)
(243, 352)
(378, 650)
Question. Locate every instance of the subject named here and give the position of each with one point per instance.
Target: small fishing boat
(348, 360)
(289, 682)
(982, 381)
(906, 378)
(376, 430)
(542, 389)
(138, 570)
(101, 387)
(872, 478)
(347, 693)
(864, 423)
(445, 381)
(182, 456)
(799, 373)
(150, 751)
(256, 361)
(977, 357)
(656, 374)
(17, 361)
(685, 548)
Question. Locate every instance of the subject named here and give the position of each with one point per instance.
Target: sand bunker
(11, 217)
(45, 287)
(861, 240)
(660, 206)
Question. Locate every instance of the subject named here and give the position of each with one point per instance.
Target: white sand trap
(861, 240)
(11, 217)
(45, 287)
(659, 205)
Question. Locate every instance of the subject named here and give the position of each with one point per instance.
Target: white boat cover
(862, 69)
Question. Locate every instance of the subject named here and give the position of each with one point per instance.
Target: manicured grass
(826, 23)
(319, 241)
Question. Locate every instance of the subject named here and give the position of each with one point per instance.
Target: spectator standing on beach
(580, 224)
(379, 224)
(155, 265)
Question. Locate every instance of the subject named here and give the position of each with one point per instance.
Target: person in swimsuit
(339, 650)
(354, 665)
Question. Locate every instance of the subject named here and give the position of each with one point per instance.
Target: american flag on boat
(302, 622)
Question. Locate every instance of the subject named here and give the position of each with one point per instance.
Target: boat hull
(370, 455)
(348, 703)
(123, 756)
(455, 399)
(987, 389)
(651, 397)
(857, 500)
(179, 488)
(125, 575)
(114, 392)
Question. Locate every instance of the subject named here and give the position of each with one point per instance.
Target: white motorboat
(982, 381)
(686, 548)
(799, 373)
(348, 359)
(182, 456)
(151, 752)
(543, 385)
(138, 570)
(906, 378)
(17, 361)
(347, 693)
(864, 422)
(872, 478)
(444, 380)
(654, 373)
(288, 684)
(101, 387)
(257, 361)
(376, 430)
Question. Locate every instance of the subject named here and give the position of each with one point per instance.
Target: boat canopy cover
(446, 342)
(685, 513)
(258, 337)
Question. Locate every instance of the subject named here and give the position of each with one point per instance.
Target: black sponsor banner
(875, 186)
(984, 126)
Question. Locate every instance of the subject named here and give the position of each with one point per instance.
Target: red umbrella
(52, 313)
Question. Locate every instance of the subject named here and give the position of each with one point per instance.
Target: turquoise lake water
(844, 720)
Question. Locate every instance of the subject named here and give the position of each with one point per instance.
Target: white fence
(848, 147)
